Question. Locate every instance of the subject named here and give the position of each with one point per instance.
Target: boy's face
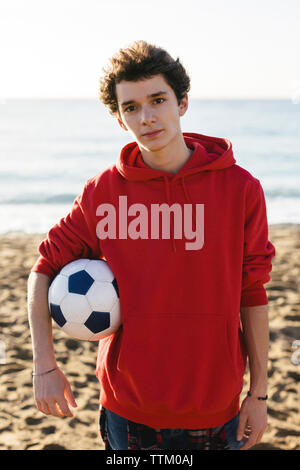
(150, 105)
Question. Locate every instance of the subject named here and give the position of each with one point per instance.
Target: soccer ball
(84, 300)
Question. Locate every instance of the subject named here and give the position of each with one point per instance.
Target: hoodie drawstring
(167, 186)
(187, 197)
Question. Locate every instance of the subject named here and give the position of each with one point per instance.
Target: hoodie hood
(209, 154)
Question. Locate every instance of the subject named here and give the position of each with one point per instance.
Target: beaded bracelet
(259, 398)
(44, 373)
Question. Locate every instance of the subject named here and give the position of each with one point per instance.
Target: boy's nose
(147, 116)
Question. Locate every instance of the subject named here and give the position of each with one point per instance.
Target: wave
(40, 199)
(68, 198)
(282, 193)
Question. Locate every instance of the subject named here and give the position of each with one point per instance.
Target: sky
(230, 48)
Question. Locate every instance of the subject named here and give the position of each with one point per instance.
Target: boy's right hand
(53, 394)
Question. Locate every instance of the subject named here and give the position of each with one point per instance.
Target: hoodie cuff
(42, 266)
(257, 296)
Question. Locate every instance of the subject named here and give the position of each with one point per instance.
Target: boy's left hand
(252, 422)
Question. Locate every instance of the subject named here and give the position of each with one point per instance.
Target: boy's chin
(153, 146)
(153, 149)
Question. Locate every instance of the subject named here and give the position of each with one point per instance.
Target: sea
(50, 147)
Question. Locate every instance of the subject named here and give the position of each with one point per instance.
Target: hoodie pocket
(179, 362)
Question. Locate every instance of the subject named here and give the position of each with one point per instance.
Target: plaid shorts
(136, 436)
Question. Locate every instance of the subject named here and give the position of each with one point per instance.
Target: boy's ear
(121, 123)
(184, 104)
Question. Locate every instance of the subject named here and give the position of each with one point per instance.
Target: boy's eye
(157, 99)
(129, 108)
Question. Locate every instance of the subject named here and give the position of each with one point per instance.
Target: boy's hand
(53, 394)
(252, 422)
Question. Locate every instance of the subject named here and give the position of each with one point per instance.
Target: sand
(23, 427)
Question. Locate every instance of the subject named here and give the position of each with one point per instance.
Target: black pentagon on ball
(80, 282)
(98, 321)
(57, 315)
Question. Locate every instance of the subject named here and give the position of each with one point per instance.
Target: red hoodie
(178, 361)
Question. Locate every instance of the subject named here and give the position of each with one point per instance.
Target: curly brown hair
(139, 61)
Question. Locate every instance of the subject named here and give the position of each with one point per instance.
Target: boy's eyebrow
(153, 95)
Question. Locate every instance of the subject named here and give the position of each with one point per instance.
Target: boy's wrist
(258, 397)
(45, 372)
(259, 389)
(43, 363)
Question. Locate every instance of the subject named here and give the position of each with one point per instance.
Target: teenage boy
(191, 269)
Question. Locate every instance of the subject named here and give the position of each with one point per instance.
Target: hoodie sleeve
(73, 237)
(258, 250)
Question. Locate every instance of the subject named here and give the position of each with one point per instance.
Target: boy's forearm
(256, 334)
(40, 322)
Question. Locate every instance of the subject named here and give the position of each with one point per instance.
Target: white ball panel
(75, 308)
(101, 296)
(74, 266)
(115, 315)
(102, 334)
(78, 331)
(99, 270)
(58, 289)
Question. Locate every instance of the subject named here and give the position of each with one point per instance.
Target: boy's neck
(170, 158)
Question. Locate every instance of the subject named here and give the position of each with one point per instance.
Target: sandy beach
(23, 427)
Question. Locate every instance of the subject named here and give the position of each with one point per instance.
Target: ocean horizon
(50, 147)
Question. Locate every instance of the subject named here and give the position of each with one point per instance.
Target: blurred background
(243, 60)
